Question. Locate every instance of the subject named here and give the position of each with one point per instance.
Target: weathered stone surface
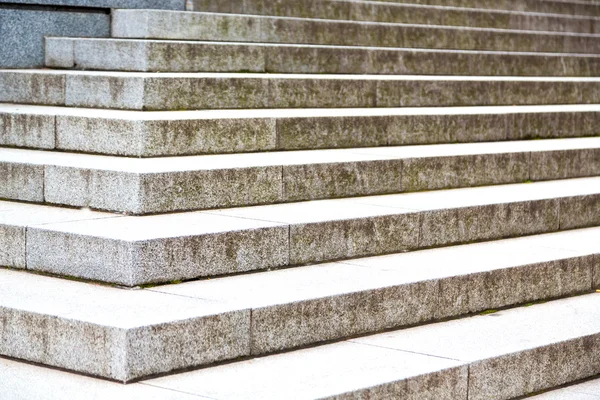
(149, 24)
(483, 14)
(403, 13)
(132, 251)
(186, 56)
(514, 352)
(179, 91)
(21, 181)
(113, 333)
(23, 129)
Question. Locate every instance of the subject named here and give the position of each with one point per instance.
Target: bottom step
(496, 356)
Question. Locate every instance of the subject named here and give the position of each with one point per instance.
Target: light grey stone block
(186, 246)
(156, 24)
(179, 91)
(23, 129)
(22, 181)
(187, 56)
(562, 164)
(580, 212)
(581, 391)
(17, 217)
(514, 352)
(113, 333)
(407, 13)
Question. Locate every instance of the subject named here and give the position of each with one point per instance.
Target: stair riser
(215, 57)
(127, 354)
(149, 193)
(399, 13)
(133, 263)
(273, 91)
(232, 133)
(237, 28)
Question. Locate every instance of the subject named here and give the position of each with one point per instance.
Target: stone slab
(22, 32)
(194, 91)
(114, 333)
(188, 56)
(513, 352)
(138, 250)
(387, 11)
(158, 185)
(158, 24)
(306, 305)
(148, 134)
(517, 343)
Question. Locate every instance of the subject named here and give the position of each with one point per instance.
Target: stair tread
(275, 294)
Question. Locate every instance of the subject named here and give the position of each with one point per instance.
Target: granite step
(478, 355)
(378, 11)
(132, 250)
(174, 133)
(194, 91)
(183, 25)
(570, 7)
(167, 184)
(190, 56)
(148, 331)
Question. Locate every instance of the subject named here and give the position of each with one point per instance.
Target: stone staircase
(305, 200)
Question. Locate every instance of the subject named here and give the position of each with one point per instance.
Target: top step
(383, 11)
(572, 7)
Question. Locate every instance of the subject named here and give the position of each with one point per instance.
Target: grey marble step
(173, 133)
(167, 184)
(478, 355)
(159, 24)
(131, 250)
(379, 11)
(190, 56)
(194, 91)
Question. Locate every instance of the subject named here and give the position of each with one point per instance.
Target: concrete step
(503, 355)
(589, 390)
(571, 7)
(159, 185)
(159, 24)
(173, 133)
(193, 91)
(257, 314)
(132, 251)
(377, 11)
(186, 56)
